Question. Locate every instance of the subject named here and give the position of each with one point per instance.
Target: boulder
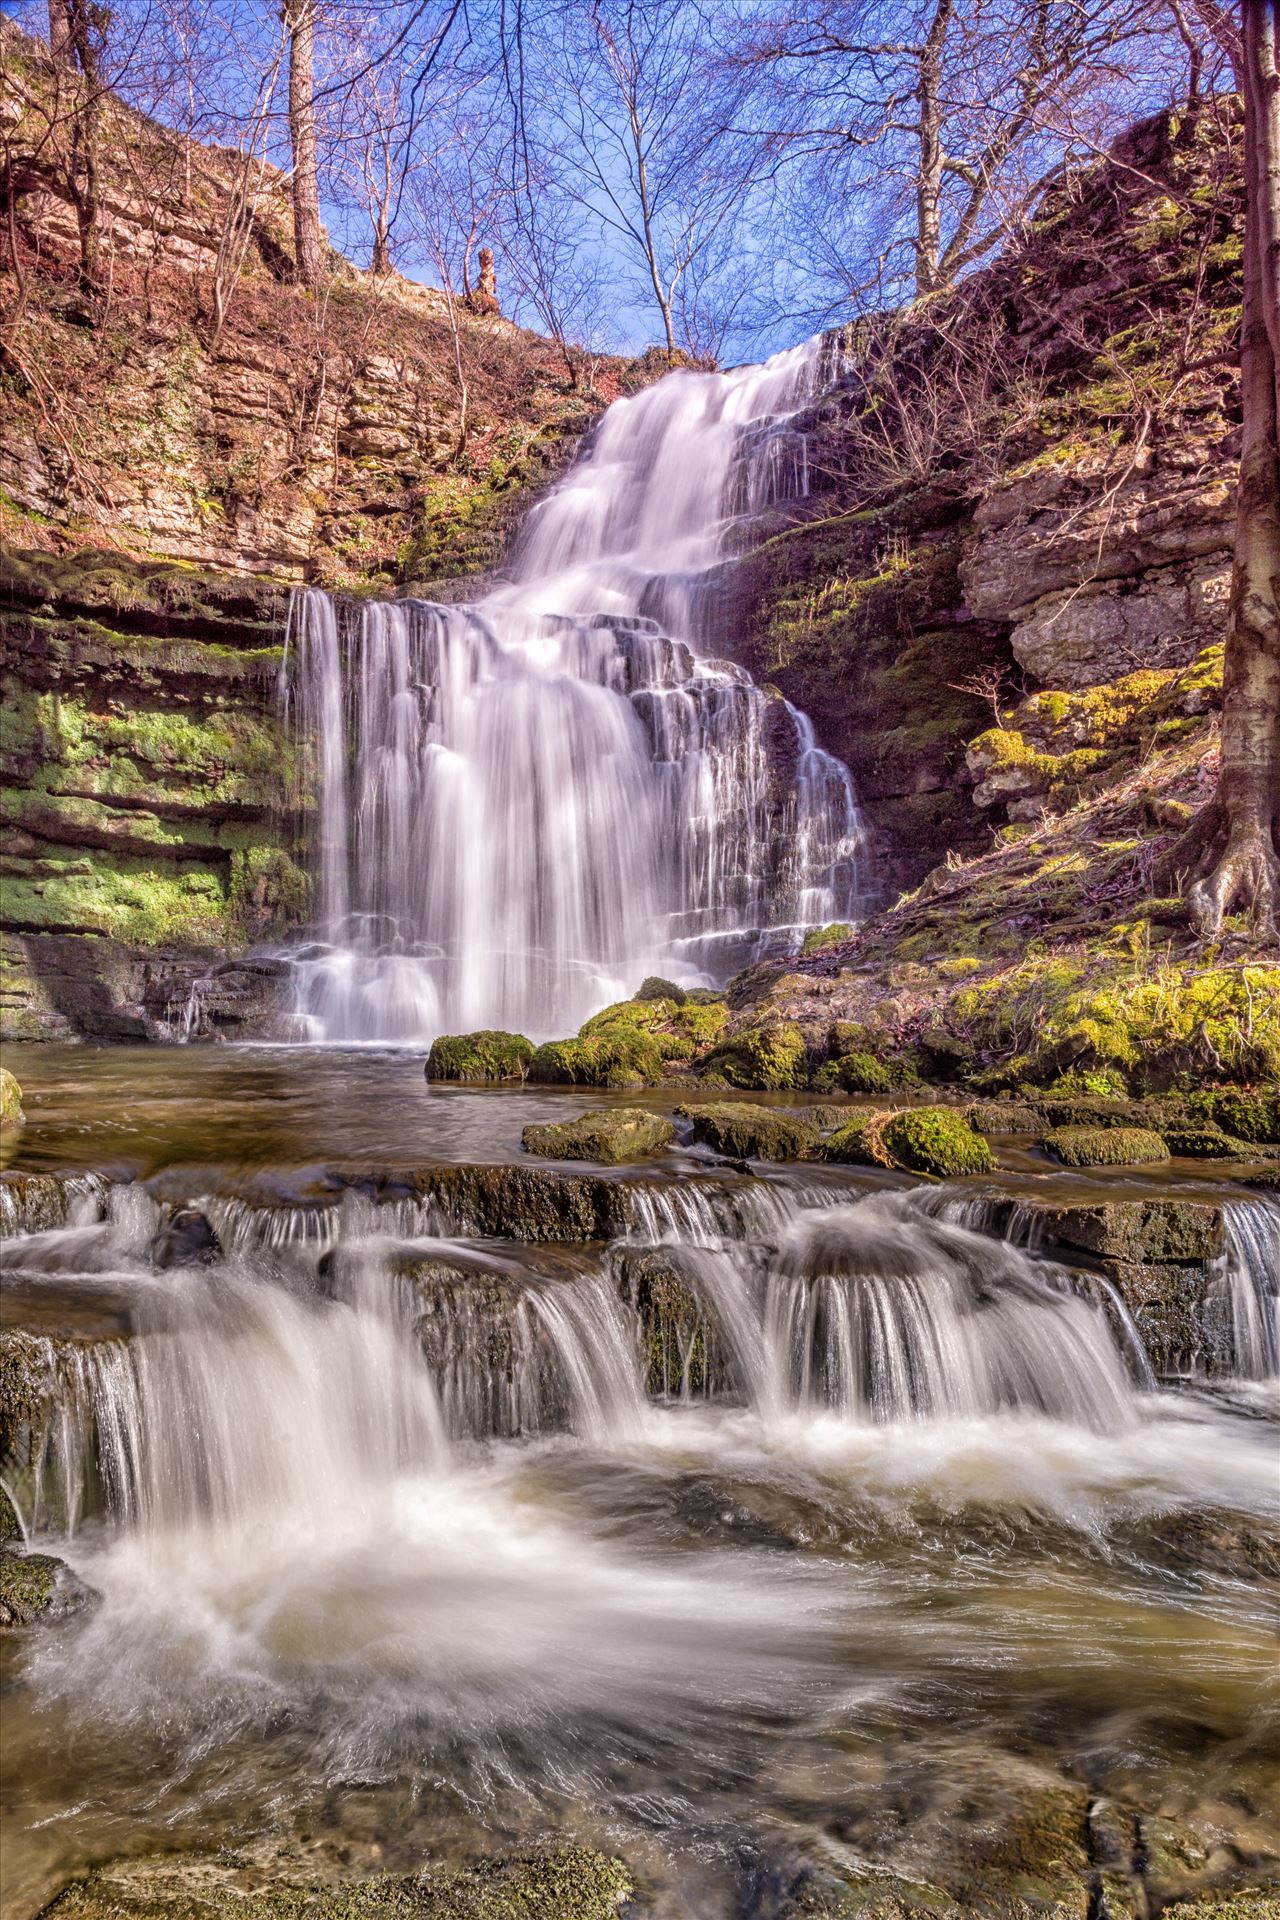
(187, 1239)
(934, 1140)
(606, 1136)
(36, 1588)
(1136, 1231)
(11, 1114)
(1105, 1146)
(486, 1055)
(742, 1131)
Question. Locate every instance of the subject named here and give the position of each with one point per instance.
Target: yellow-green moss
(1105, 1146)
(771, 1056)
(935, 1140)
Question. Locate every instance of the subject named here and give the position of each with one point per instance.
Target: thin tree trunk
(300, 20)
(928, 244)
(1230, 857)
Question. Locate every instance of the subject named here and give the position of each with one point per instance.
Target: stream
(417, 1526)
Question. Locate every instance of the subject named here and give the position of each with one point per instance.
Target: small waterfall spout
(1244, 1290)
(524, 805)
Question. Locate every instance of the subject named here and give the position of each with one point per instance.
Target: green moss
(935, 1140)
(608, 1137)
(858, 1141)
(655, 988)
(622, 1056)
(679, 1029)
(11, 1114)
(1254, 1117)
(1105, 1146)
(769, 1057)
(1204, 1143)
(745, 1132)
(854, 1073)
(819, 937)
(487, 1055)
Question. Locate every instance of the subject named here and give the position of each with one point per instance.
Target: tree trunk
(60, 30)
(300, 21)
(1229, 860)
(928, 240)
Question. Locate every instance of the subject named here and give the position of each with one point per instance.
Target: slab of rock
(1136, 1231)
(607, 1136)
(743, 1131)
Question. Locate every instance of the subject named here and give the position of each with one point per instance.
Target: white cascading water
(527, 804)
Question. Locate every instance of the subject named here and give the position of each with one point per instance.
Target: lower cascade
(526, 804)
(298, 1373)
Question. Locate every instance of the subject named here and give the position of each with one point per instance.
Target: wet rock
(528, 1203)
(34, 1202)
(856, 1072)
(486, 1055)
(36, 1588)
(745, 1132)
(1105, 1146)
(769, 1057)
(608, 1137)
(857, 1142)
(1253, 1117)
(1136, 1231)
(682, 1353)
(1167, 1303)
(187, 1239)
(11, 1114)
(567, 1883)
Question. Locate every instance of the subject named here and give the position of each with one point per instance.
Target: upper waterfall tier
(528, 803)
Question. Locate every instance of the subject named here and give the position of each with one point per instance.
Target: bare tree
(1230, 857)
(942, 116)
(642, 146)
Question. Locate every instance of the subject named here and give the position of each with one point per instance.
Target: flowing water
(794, 1523)
(526, 804)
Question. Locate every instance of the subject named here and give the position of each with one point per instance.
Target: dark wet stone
(186, 1240)
(36, 1588)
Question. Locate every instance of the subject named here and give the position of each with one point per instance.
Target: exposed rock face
(1097, 574)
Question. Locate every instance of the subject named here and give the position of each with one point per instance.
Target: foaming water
(526, 804)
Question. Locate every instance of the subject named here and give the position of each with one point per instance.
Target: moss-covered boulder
(771, 1057)
(619, 1056)
(608, 1137)
(1205, 1143)
(11, 1114)
(1254, 1117)
(1134, 1231)
(679, 1028)
(935, 1140)
(856, 1142)
(1105, 1146)
(567, 1883)
(486, 1055)
(855, 1072)
(746, 1132)
(829, 936)
(36, 1588)
(1004, 1116)
(654, 987)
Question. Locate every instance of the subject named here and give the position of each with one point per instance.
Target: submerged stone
(566, 1883)
(626, 1133)
(745, 1132)
(682, 1356)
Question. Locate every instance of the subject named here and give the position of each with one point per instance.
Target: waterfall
(1244, 1289)
(526, 804)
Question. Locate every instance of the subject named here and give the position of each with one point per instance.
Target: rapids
(790, 1496)
(526, 804)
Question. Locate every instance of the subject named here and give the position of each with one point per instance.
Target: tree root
(1228, 865)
